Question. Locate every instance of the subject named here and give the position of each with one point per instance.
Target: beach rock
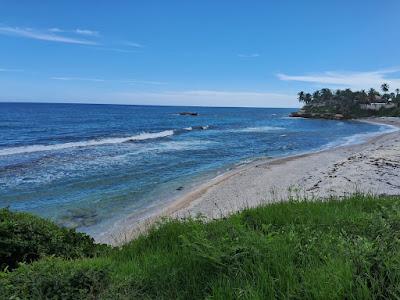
(327, 116)
(298, 114)
(294, 114)
(338, 116)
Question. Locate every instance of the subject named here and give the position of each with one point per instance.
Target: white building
(377, 106)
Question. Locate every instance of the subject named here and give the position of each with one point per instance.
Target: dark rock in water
(180, 188)
(295, 114)
(78, 217)
(200, 127)
(188, 113)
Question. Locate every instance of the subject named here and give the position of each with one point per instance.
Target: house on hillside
(377, 105)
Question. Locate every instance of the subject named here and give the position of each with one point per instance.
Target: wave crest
(94, 142)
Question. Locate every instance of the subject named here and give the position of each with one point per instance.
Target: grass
(346, 249)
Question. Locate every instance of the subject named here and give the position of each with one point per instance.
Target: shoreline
(267, 180)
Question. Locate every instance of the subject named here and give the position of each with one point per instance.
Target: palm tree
(361, 97)
(316, 97)
(301, 96)
(326, 95)
(371, 94)
(307, 98)
(385, 87)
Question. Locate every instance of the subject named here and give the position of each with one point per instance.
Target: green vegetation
(346, 104)
(26, 238)
(346, 249)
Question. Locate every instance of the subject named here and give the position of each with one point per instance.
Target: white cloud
(133, 44)
(251, 55)
(208, 98)
(55, 29)
(43, 35)
(87, 32)
(354, 80)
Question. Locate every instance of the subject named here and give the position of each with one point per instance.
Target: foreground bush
(346, 249)
(54, 279)
(26, 238)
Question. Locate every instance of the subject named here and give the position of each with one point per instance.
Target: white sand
(370, 167)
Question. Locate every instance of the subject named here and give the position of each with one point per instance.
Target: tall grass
(347, 249)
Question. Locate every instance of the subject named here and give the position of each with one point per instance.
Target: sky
(207, 53)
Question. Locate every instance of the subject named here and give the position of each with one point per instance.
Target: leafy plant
(54, 279)
(26, 238)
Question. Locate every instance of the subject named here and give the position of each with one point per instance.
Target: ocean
(86, 166)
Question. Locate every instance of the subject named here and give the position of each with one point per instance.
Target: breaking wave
(95, 142)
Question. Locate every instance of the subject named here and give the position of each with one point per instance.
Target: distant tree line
(345, 101)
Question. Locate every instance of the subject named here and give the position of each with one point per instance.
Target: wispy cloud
(85, 37)
(87, 32)
(251, 55)
(133, 44)
(356, 80)
(52, 36)
(55, 29)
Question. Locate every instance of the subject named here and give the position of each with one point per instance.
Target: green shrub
(54, 278)
(26, 238)
(346, 249)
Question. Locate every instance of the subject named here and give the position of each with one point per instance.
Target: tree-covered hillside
(342, 104)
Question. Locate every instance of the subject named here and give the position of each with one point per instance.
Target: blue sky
(219, 53)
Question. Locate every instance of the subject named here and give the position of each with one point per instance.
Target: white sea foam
(359, 138)
(183, 145)
(261, 129)
(87, 143)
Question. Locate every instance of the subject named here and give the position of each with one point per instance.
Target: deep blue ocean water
(88, 165)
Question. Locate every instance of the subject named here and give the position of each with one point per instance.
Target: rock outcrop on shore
(329, 116)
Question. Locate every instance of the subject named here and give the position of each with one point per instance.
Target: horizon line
(128, 104)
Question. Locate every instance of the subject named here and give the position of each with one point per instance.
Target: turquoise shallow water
(87, 165)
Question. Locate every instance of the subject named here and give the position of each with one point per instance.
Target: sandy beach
(370, 167)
